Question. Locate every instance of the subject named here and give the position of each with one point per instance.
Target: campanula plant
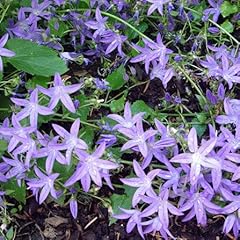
(137, 97)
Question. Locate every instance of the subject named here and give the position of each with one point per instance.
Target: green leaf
(60, 31)
(10, 234)
(37, 80)
(118, 105)
(201, 100)
(131, 34)
(3, 146)
(87, 134)
(83, 112)
(228, 26)
(115, 79)
(35, 59)
(200, 128)
(121, 200)
(227, 8)
(201, 117)
(19, 193)
(140, 106)
(199, 8)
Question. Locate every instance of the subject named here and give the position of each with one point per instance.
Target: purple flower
(4, 167)
(232, 222)
(43, 182)
(198, 156)
(99, 3)
(154, 225)
(59, 2)
(108, 139)
(160, 71)
(172, 177)
(138, 137)
(232, 110)
(214, 10)
(115, 41)
(157, 4)
(160, 204)
(90, 167)
(120, 4)
(128, 121)
(153, 51)
(214, 70)
(38, 9)
(3, 51)
(18, 169)
(143, 182)
(60, 92)
(230, 73)
(50, 152)
(31, 108)
(74, 207)
(14, 132)
(28, 146)
(211, 97)
(135, 219)
(98, 25)
(71, 140)
(199, 203)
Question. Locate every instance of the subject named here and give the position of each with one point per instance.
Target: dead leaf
(56, 221)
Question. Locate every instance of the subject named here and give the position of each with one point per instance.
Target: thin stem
(217, 25)
(73, 119)
(114, 17)
(4, 13)
(195, 86)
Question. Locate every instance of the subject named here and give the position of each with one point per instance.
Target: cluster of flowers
(26, 144)
(189, 179)
(194, 180)
(107, 40)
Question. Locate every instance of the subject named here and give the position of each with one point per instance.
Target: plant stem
(114, 17)
(194, 85)
(217, 25)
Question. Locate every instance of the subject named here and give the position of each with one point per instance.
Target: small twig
(40, 231)
(91, 222)
(25, 225)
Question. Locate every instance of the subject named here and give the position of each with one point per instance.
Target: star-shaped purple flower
(31, 108)
(43, 182)
(71, 140)
(60, 92)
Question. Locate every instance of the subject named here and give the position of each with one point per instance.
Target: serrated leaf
(115, 79)
(118, 105)
(228, 26)
(227, 8)
(121, 200)
(35, 59)
(140, 106)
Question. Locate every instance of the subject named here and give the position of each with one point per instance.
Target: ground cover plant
(133, 105)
